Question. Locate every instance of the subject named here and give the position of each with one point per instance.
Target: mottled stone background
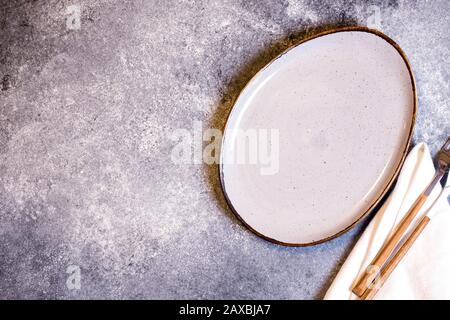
(86, 180)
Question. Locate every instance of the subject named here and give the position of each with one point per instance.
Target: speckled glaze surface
(344, 105)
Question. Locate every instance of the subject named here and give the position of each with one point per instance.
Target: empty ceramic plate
(316, 138)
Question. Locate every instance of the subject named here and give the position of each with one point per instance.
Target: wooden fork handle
(383, 255)
(392, 264)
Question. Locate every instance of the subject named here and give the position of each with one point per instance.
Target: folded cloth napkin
(424, 271)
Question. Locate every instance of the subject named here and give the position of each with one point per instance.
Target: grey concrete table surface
(91, 205)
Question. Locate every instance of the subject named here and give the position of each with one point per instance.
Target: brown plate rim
(397, 170)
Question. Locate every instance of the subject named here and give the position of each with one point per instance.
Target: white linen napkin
(424, 273)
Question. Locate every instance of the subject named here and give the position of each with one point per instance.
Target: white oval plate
(343, 104)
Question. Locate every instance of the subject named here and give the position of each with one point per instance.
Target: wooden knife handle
(386, 250)
(392, 264)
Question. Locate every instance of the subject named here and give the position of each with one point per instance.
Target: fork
(370, 281)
